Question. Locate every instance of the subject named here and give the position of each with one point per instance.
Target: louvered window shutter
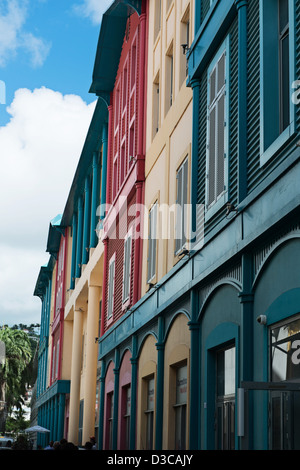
(149, 275)
(184, 200)
(111, 285)
(152, 242)
(216, 134)
(178, 227)
(181, 201)
(126, 269)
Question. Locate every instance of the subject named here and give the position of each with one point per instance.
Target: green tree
(17, 423)
(13, 371)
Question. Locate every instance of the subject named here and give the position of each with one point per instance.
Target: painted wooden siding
(205, 6)
(233, 129)
(253, 97)
(255, 172)
(233, 107)
(116, 246)
(125, 113)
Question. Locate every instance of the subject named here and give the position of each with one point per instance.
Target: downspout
(105, 241)
(140, 159)
(104, 170)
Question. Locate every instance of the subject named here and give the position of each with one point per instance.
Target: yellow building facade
(168, 156)
(169, 127)
(82, 327)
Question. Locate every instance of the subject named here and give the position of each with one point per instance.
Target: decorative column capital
(241, 3)
(134, 360)
(195, 82)
(193, 325)
(246, 297)
(160, 346)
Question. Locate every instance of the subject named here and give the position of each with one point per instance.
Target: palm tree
(17, 358)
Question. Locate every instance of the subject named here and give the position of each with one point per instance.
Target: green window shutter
(215, 171)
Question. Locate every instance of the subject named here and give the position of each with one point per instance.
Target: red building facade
(125, 176)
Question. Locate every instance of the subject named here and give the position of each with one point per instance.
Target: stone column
(90, 378)
(75, 376)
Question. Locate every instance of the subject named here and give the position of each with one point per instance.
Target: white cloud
(39, 152)
(93, 9)
(37, 48)
(20, 267)
(13, 37)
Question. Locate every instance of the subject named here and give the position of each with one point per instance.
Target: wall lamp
(183, 252)
(151, 286)
(185, 48)
(230, 208)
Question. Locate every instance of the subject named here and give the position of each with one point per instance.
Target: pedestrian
(93, 441)
(88, 445)
(49, 446)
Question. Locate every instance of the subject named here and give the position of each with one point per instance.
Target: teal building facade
(239, 288)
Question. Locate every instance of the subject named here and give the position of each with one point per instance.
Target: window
(126, 391)
(168, 4)
(132, 107)
(156, 104)
(133, 65)
(157, 20)
(152, 242)
(150, 413)
(277, 75)
(284, 87)
(111, 287)
(169, 79)
(57, 359)
(225, 416)
(217, 129)
(181, 206)
(184, 40)
(127, 266)
(285, 367)
(131, 143)
(284, 351)
(180, 408)
(110, 414)
(53, 363)
(124, 91)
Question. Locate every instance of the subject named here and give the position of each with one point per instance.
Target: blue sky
(47, 52)
(62, 56)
